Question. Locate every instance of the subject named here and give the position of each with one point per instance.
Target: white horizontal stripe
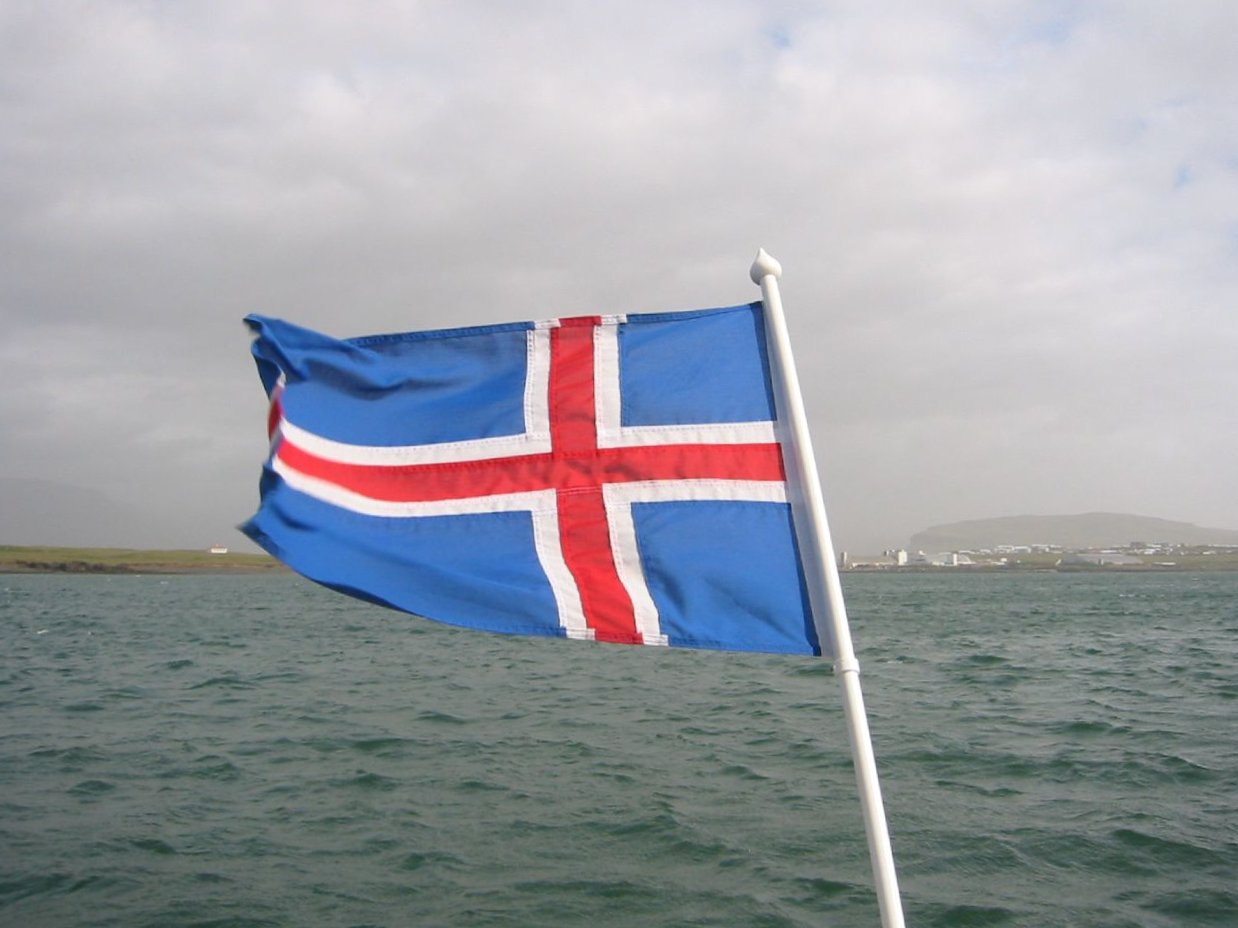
(720, 433)
(670, 491)
(400, 455)
(535, 439)
(628, 565)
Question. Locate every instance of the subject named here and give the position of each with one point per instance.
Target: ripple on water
(280, 756)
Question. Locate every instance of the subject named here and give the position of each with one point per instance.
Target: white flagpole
(824, 587)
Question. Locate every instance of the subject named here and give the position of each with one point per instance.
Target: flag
(612, 478)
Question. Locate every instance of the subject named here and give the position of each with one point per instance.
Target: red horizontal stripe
(489, 477)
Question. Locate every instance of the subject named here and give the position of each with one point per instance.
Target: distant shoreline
(1217, 565)
(19, 559)
(1181, 561)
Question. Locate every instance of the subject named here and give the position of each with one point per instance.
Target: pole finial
(763, 266)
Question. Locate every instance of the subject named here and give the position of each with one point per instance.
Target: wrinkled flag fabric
(613, 478)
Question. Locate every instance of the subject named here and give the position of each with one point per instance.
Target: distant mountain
(1089, 530)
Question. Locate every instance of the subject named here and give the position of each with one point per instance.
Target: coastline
(1180, 561)
(1208, 567)
(20, 559)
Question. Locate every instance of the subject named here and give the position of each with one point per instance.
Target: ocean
(244, 751)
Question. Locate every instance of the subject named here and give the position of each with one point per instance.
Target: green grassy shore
(16, 559)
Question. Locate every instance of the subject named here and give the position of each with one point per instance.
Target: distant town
(1136, 555)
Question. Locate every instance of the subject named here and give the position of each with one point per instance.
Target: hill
(1088, 530)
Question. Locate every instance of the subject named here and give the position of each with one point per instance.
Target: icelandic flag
(613, 478)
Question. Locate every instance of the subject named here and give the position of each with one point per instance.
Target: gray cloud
(1009, 231)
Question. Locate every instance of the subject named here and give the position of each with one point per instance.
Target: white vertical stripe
(628, 566)
(549, 545)
(537, 389)
(606, 381)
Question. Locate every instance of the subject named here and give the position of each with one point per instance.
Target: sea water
(231, 751)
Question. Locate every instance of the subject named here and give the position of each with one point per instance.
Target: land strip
(26, 559)
(1182, 559)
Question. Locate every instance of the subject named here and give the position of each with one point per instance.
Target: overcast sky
(1009, 230)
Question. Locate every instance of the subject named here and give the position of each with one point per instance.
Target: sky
(1009, 231)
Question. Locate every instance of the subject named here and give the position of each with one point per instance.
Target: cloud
(1008, 231)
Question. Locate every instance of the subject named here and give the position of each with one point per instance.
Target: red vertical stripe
(584, 532)
(585, 535)
(276, 413)
(573, 415)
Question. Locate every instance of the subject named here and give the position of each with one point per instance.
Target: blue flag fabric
(613, 478)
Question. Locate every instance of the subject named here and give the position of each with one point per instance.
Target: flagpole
(824, 587)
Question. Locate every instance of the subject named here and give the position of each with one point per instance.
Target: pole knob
(764, 266)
